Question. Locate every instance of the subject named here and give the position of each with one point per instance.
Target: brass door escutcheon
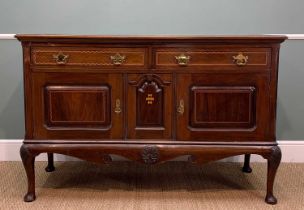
(61, 58)
(118, 59)
(182, 59)
(117, 109)
(150, 99)
(181, 107)
(240, 59)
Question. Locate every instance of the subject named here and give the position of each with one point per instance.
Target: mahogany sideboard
(150, 99)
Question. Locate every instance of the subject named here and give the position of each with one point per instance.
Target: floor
(173, 185)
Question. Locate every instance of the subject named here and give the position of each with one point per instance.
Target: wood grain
(149, 108)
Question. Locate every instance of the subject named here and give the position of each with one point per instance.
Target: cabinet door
(149, 106)
(223, 107)
(77, 106)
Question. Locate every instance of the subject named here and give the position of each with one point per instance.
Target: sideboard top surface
(151, 38)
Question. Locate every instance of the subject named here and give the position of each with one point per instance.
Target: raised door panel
(78, 106)
(223, 107)
(149, 106)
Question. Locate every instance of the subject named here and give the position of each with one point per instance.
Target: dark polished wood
(88, 56)
(50, 167)
(216, 57)
(246, 168)
(150, 99)
(273, 159)
(64, 103)
(223, 107)
(28, 160)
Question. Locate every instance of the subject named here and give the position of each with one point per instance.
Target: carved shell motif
(150, 154)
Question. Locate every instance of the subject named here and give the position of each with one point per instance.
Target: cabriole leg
(50, 167)
(246, 168)
(28, 160)
(273, 160)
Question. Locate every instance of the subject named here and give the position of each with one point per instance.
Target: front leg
(28, 160)
(273, 160)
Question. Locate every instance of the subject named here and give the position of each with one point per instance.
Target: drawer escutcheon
(240, 59)
(182, 59)
(118, 59)
(61, 58)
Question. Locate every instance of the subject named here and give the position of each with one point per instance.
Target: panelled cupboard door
(89, 105)
(223, 107)
(149, 105)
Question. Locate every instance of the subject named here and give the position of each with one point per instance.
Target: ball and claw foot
(29, 197)
(270, 199)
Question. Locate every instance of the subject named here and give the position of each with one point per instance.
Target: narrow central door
(149, 106)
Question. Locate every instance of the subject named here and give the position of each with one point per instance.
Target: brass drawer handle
(240, 59)
(61, 58)
(118, 59)
(181, 107)
(117, 109)
(182, 59)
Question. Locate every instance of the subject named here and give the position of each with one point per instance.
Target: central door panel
(149, 102)
(223, 107)
(149, 106)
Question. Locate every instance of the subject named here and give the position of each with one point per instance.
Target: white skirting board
(292, 151)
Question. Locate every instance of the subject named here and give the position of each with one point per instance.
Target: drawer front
(94, 57)
(212, 57)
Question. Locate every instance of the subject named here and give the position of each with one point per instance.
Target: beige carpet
(172, 186)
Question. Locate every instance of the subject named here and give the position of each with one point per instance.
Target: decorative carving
(149, 83)
(149, 78)
(149, 102)
(275, 155)
(106, 158)
(150, 154)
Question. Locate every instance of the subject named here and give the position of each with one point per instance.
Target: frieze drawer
(228, 58)
(90, 57)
